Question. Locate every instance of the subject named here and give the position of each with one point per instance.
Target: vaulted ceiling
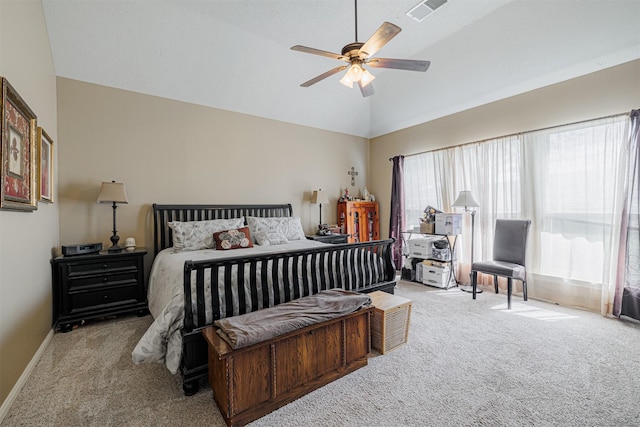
(235, 55)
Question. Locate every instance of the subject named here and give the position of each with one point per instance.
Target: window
(564, 179)
(574, 191)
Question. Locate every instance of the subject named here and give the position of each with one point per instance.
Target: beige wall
(611, 91)
(167, 151)
(26, 239)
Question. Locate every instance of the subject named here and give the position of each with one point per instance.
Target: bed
(191, 288)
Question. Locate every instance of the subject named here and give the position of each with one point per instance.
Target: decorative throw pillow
(290, 227)
(270, 237)
(196, 235)
(233, 239)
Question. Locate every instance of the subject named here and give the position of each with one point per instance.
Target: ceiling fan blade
(399, 64)
(386, 32)
(306, 49)
(323, 76)
(366, 90)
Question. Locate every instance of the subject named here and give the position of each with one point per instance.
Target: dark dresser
(97, 285)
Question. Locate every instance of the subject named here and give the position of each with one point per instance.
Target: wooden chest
(253, 381)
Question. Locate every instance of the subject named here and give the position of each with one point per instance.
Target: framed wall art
(19, 156)
(45, 165)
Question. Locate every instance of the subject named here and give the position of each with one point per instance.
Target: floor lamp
(466, 200)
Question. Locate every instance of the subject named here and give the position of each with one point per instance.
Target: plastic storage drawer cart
(390, 321)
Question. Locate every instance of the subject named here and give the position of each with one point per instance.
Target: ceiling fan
(358, 54)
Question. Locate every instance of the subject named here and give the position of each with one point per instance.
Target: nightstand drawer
(75, 268)
(94, 299)
(102, 280)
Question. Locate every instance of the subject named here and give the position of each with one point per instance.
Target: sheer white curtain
(564, 179)
(424, 180)
(573, 173)
(493, 172)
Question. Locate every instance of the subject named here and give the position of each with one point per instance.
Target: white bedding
(162, 342)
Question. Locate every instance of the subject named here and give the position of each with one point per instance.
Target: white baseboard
(6, 405)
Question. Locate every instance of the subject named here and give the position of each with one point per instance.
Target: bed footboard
(216, 289)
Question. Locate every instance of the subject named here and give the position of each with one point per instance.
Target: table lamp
(113, 192)
(319, 197)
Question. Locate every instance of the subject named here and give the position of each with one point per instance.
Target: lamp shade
(112, 192)
(319, 197)
(465, 200)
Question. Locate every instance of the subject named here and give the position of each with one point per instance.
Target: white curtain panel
(423, 184)
(573, 173)
(564, 179)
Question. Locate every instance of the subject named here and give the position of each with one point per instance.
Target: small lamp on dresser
(113, 192)
(319, 197)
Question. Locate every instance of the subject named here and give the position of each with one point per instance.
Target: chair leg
(524, 290)
(495, 283)
(509, 289)
(474, 282)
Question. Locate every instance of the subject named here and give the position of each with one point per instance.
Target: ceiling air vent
(424, 8)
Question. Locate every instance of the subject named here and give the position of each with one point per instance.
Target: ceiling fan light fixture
(357, 73)
(354, 72)
(366, 78)
(345, 80)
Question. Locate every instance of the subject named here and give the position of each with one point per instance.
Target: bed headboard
(163, 214)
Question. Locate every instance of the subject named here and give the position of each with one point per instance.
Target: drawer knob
(105, 279)
(105, 296)
(105, 265)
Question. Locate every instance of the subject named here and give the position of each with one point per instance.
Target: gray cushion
(500, 268)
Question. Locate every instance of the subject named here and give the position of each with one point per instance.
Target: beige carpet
(467, 363)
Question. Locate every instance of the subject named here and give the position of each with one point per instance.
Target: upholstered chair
(509, 254)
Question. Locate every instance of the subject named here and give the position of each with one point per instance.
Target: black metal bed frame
(362, 267)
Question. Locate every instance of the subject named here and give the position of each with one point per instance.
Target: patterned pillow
(290, 227)
(233, 239)
(196, 235)
(270, 237)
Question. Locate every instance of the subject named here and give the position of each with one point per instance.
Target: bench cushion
(251, 328)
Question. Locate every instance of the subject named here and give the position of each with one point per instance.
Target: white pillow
(270, 237)
(196, 235)
(290, 227)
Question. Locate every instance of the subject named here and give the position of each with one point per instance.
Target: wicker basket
(390, 321)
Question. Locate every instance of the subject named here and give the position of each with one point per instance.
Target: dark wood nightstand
(331, 238)
(97, 285)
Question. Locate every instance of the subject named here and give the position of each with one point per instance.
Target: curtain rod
(517, 133)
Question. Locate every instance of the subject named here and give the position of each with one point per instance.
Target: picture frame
(18, 156)
(45, 166)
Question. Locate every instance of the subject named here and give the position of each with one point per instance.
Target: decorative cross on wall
(353, 174)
